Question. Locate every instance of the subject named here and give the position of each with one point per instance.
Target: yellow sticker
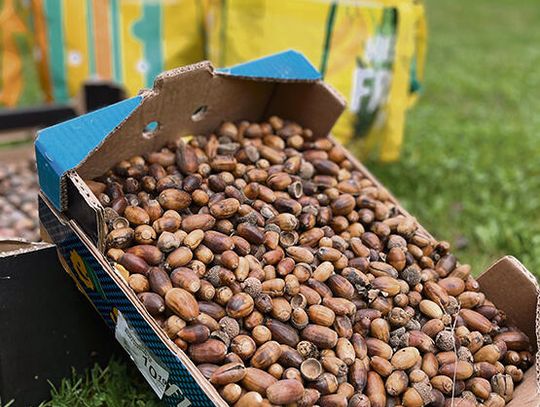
(80, 270)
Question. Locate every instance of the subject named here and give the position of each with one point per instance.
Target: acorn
(285, 392)
(182, 303)
(375, 390)
(257, 380)
(476, 321)
(153, 303)
(266, 355)
(321, 336)
(228, 373)
(197, 333)
(396, 383)
(405, 358)
(461, 370)
(311, 369)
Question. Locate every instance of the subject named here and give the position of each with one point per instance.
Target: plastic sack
(126, 41)
(18, 74)
(372, 52)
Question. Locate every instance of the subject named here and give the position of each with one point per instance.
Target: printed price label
(154, 373)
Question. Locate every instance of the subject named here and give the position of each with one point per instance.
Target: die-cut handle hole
(199, 113)
(150, 130)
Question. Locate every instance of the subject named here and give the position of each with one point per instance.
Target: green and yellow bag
(126, 41)
(18, 74)
(371, 51)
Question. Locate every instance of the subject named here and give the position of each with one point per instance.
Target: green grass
(115, 386)
(470, 169)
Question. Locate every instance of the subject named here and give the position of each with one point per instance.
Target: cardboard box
(193, 100)
(46, 327)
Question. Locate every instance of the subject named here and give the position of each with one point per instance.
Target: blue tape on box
(289, 65)
(62, 147)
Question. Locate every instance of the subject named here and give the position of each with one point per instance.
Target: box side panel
(313, 105)
(195, 102)
(110, 300)
(41, 337)
(526, 394)
(513, 289)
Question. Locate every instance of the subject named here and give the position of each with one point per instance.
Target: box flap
(286, 66)
(189, 100)
(61, 147)
(512, 288)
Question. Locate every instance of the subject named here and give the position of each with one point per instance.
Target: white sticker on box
(150, 367)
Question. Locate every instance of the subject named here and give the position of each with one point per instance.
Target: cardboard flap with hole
(189, 100)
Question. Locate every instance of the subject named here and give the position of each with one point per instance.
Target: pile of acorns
(290, 278)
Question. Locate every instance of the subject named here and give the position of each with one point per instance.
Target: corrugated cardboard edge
(15, 246)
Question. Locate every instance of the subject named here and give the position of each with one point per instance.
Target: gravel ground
(18, 200)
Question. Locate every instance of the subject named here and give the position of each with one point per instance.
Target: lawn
(470, 169)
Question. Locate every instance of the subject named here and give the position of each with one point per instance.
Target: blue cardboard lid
(63, 147)
(287, 65)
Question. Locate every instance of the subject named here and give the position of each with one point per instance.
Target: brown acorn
(479, 386)
(134, 264)
(198, 221)
(240, 305)
(257, 380)
(174, 199)
(151, 254)
(376, 347)
(186, 278)
(375, 390)
(228, 373)
(285, 392)
(461, 370)
(136, 215)
(153, 303)
(266, 355)
(138, 283)
(283, 333)
(217, 242)
(197, 333)
(321, 315)
(321, 336)
(381, 366)
(159, 280)
(405, 358)
(243, 346)
(515, 340)
(396, 383)
(476, 321)
(182, 303)
(179, 257)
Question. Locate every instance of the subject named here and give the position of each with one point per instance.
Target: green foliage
(115, 386)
